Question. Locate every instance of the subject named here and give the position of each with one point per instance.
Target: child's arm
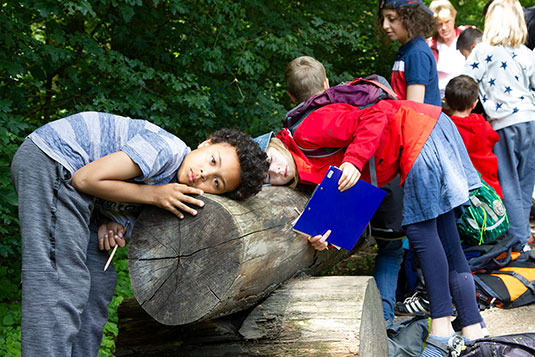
(416, 93)
(111, 234)
(105, 178)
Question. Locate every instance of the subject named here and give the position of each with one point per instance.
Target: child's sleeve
(158, 155)
(124, 219)
(344, 126)
(418, 68)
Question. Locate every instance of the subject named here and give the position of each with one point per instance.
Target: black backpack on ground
(517, 345)
(510, 286)
(406, 338)
(491, 256)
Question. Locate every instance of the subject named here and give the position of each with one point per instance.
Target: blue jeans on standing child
(516, 172)
(387, 264)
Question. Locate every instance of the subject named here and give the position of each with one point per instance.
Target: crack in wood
(157, 290)
(213, 293)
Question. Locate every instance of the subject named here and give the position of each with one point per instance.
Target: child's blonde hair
(505, 24)
(442, 9)
(305, 77)
(278, 145)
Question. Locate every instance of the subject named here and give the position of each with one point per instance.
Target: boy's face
(213, 168)
(394, 27)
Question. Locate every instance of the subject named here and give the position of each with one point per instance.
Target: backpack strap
(527, 283)
(373, 179)
(387, 90)
(454, 347)
(373, 173)
(505, 260)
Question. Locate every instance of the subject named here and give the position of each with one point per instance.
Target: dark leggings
(438, 247)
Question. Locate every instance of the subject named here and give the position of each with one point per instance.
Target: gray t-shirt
(81, 138)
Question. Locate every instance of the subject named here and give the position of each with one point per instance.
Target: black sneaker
(412, 306)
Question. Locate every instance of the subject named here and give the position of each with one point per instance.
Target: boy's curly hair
(414, 18)
(253, 162)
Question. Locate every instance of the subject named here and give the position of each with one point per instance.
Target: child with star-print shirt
(505, 71)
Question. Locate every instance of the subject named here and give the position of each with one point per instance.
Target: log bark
(224, 260)
(312, 316)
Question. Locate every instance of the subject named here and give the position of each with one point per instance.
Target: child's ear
(292, 98)
(326, 83)
(205, 143)
(474, 105)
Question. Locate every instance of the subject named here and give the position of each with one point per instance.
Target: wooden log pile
(306, 316)
(224, 260)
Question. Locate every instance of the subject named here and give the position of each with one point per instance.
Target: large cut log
(328, 316)
(312, 316)
(224, 260)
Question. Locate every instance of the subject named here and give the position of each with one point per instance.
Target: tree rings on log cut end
(224, 260)
(175, 266)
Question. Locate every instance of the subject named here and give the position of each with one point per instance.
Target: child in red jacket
(424, 147)
(478, 136)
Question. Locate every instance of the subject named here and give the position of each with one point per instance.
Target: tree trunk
(224, 260)
(318, 316)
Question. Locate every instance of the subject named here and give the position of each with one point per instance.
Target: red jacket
(391, 131)
(479, 139)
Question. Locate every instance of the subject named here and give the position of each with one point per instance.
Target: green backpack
(485, 219)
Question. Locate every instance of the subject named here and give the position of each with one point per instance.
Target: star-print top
(506, 78)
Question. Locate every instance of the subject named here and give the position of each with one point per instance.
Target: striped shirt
(79, 139)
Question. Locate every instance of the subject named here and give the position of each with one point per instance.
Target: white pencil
(111, 256)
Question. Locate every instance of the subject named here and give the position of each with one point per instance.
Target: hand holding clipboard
(344, 213)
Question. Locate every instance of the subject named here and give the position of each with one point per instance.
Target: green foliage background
(191, 66)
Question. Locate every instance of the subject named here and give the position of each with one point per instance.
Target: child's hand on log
(174, 196)
(350, 176)
(111, 234)
(319, 242)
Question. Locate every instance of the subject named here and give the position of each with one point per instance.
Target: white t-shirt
(450, 64)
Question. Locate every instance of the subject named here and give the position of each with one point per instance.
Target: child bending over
(468, 39)
(88, 163)
(436, 173)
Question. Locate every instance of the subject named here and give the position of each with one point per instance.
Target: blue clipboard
(346, 213)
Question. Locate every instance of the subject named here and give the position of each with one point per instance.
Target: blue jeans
(387, 264)
(516, 172)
